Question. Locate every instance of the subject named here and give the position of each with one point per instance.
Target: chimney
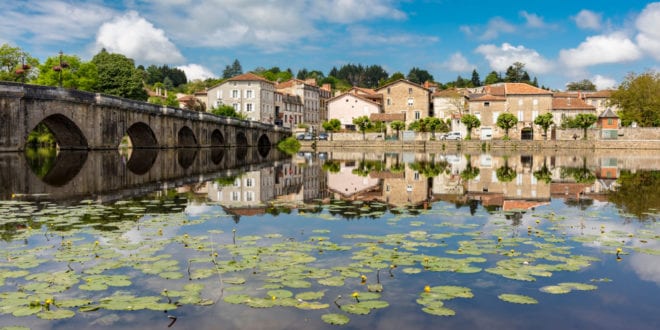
(327, 87)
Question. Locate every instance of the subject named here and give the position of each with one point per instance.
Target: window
(249, 182)
(495, 115)
(417, 115)
(535, 102)
(535, 114)
(416, 176)
(237, 183)
(249, 107)
(389, 102)
(388, 90)
(486, 104)
(236, 106)
(235, 196)
(520, 102)
(235, 93)
(387, 187)
(520, 115)
(411, 101)
(249, 196)
(249, 94)
(410, 90)
(610, 121)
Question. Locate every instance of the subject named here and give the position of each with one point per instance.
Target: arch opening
(217, 139)
(139, 135)
(186, 138)
(527, 133)
(55, 168)
(65, 133)
(241, 140)
(186, 157)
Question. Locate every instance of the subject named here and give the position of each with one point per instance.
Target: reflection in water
(264, 149)
(186, 156)
(217, 154)
(141, 160)
(240, 153)
(56, 168)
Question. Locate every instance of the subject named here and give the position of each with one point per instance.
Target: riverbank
(422, 146)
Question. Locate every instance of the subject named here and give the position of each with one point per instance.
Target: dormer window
(486, 104)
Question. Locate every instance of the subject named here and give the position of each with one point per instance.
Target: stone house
(348, 106)
(248, 93)
(608, 122)
(568, 105)
(288, 110)
(524, 101)
(406, 97)
(314, 99)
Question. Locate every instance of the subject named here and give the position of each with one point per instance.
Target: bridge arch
(186, 138)
(263, 141)
(241, 140)
(67, 134)
(142, 136)
(217, 139)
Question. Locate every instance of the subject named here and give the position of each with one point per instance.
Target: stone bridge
(90, 121)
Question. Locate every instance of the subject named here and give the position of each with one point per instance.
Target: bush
(289, 145)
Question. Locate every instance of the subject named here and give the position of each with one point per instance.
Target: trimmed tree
(362, 123)
(332, 125)
(584, 121)
(545, 121)
(470, 122)
(506, 121)
(433, 123)
(397, 125)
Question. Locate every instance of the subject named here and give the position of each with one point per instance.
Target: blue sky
(559, 41)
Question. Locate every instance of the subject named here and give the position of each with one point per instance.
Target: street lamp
(58, 68)
(22, 71)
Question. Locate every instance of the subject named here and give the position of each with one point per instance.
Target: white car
(452, 136)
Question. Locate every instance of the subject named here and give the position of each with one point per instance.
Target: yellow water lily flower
(618, 250)
(427, 288)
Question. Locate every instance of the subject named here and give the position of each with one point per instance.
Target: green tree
(505, 173)
(118, 76)
(419, 76)
(545, 121)
(638, 193)
(227, 111)
(332, 125)
(433, 124)
(16, 64)
(362, 123)
(470, 172)
(470, 121)
(397, 125)
(232, 70)
(582, 85)
(394, 77)
(543, 174)
(584, 121)
(638, 99)
(506, 121)
(475, 80)
(275, 74)
(516, 73)
(492, 78)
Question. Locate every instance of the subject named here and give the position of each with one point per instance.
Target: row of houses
(295, 102)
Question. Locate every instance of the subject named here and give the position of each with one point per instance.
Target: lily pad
(517, 298)
(335, 319)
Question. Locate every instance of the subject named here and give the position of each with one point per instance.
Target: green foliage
(41, 137)
(429, 169)
(584, 121)
(506, 121)
(118, 76)
(16, 64)
(395, 76)
(73, 72)
(289, 145)
(175, 76)
(470, 121)
(505, 173)
(397, 125)
(232, 70)
(332, 125)
(275, 74)
(429, 124)
(362, 123)
(227, 111)
(543, 174)
(582, 85)
(493, 78)
(638, 99)
(367, 166)
(516, 73)
(419, 76)
(637, 193)
(169, 101)
(358, 75)
(545, 121)
(331, 166)
(475, 80)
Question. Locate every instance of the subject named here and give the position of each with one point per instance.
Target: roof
(488, 97)
(360, 97)
(369, 91)
(502, 89)
(510, 205)
(570, 103)
(608, 114)
(386, 175)
(405, 81)
(607, 93)
(249, 77)
(388, 117)
(448, 93)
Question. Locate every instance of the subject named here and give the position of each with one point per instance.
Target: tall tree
(516, 73)
(475, 80)
(584, 121)
(638, 99)
(582, 85)
(77, 74)
(16, 64)
(470, 121)
(492, 78)
(332, 125)
(506, 121)
(394, 77)
(232, 70)
(362, 123)
(419, 76)
(397, 125)
(118, 76)
(461, 82)
(545, 121)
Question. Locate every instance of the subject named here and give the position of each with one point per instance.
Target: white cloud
(603, 82)
(532, 20)
(648, 24)
(587, 19)
(350, 11)
(497, 26)
(363, 36)
(196, 71)
(135, 37)
(458, 63)
(612, 48)
(500, 58)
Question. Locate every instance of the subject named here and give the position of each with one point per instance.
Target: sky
(558, 41)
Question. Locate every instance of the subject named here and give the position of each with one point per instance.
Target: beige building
(248, 93)
(314, 99)
(406, 97)
(288, 110)
(568, 105)
(347, 106)
(524, 101)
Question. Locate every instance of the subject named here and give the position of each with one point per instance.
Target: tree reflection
(506, 173)
(579, 174)
(429, 169)
(470, 172)
(638, 193)
(543, 174)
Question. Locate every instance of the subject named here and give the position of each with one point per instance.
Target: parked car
(323, 136)
(308, 137)
(300, 136)
(452, 136)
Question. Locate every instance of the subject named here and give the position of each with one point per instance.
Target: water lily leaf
(310, 295)
(280, 293)
(555, 289)
(440, 311)
(410, 270)
(374, 304)
(332, 281)
(260, 302)
(69, 303)
(356, 309)
(234, 280)
(312, 305)
(335, 319)
(25, 311)
(376, 287)
(578, 286)
(236, 298)
(171, 275)
(517, 299)
(57, 314)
